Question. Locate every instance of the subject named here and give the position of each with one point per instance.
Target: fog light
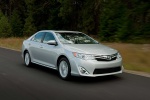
(83, 71)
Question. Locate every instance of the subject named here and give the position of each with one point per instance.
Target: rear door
(36, 47)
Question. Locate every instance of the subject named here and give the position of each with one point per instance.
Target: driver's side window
(38, 37)
(49, 36)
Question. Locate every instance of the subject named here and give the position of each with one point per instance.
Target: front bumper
(95, 68)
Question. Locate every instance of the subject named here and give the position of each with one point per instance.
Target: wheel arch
(25, 52)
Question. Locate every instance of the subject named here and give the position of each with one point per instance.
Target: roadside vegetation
(135, 56)
(109, 20)
(11, 43)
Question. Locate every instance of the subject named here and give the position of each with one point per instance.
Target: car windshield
(75, 38)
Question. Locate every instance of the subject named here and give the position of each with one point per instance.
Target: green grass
(135, 56)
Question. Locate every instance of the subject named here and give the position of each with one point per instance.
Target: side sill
(45, 65)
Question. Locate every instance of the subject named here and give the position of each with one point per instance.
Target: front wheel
(27, 59)
(64, 68)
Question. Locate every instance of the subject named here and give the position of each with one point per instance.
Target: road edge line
(137, 73)
(10, 49)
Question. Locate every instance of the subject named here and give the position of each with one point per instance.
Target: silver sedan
(71, 53)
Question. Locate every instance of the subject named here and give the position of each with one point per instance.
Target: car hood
(97, 49)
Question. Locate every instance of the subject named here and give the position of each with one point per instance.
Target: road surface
(18, 82)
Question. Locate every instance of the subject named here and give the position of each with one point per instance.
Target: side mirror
(52, 42)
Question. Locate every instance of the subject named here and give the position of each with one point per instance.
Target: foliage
(29, 27)
(111, 20)
(16, 24)
(5, 28)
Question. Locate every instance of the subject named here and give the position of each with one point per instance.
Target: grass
(13, 43)
(135, 56)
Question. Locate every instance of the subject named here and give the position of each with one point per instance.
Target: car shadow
(100, 79)
(43, 69)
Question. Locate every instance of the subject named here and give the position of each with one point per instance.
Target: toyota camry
(71, 53)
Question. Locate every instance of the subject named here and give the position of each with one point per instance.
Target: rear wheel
(64, 68)
(27, 59)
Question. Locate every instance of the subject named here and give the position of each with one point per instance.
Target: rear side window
(49, 36)
(38, 37)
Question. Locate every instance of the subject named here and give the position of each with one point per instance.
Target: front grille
(100, 59)
(106, 57)
(107, 70)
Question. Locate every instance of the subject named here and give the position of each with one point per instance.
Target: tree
(113, 20)
(70, 13)
(5, 28)
(55, 21)
(16, 24)
(90, 16)
(29, 27)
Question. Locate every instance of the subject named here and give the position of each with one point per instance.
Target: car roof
(60, 31)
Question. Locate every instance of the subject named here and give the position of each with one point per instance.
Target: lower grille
(107, 70)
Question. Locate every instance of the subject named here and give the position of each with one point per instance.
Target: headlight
(84, 56)
(118, 55)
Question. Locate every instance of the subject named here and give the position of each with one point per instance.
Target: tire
(27, 59)
(64, 69)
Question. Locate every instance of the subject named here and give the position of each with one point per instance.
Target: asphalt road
(18, 82)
